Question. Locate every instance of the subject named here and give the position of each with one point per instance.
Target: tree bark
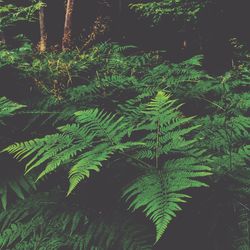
(67, 35)
(43, 34)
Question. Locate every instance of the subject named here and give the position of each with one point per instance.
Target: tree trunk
(67, 35)
(43, 34)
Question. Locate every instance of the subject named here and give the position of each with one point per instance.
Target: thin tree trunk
(43, 34)
(67, 35)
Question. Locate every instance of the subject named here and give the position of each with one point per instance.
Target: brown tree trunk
(67, 35)
(43, 34)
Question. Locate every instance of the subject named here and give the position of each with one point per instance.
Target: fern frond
(8, 107)
(243, 220)
(44, 216)
(187, 10)
(19, 186)
(83, 145)
(106, 125)
(151, 193)
(157, 191)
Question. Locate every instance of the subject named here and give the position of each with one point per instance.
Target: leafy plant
(20, 186)
(104, 136)
(136, 132)
(157, 191)
(12, 14)
(8, 108)
(187, 11)
(47, 220)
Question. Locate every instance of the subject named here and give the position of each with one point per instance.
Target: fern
(48, 216)
(226, 131)
(157, 191)
(119, 80)
(12, 14)
(242, 242)
(224, 134)
(91, 140)
(8, 108)
(20, 186)
(187, 11)
(96, 136)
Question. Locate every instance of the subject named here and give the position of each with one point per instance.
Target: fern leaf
(158, 191)
(8, 107)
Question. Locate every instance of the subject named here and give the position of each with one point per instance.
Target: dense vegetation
(112, 142)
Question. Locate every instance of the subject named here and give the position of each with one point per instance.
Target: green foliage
(152, 129)
(56, 150)
(48, 221)
(157, 191)
(226, 130)
(225, 135)
(242, 241)
(115, 102)
(183, 10)
(96, 136)
(55, 72)
(18, 57)
(121, 81)
(20, 186)
(11, 14)
(8, 108)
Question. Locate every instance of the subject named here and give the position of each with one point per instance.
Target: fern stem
(213, 103)
(243, 205)
(157, 145)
